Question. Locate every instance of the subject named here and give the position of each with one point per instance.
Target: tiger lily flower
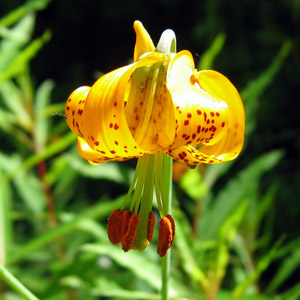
(159, 104)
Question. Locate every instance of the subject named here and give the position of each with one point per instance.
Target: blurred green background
(237, 223)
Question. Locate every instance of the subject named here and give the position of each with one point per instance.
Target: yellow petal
(74, 109)
(143, 41)
(146, 107)
(199, 116)
(209, 112)
(107, 135)
(219, 86)
(191, 156)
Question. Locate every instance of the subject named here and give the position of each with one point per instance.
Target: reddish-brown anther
(125, 221)
(114, 226)
(173, 227)
(151, 223)
(166, 235)
(129, 237)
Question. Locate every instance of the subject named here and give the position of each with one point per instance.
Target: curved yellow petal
(191, 156)
(209, 112)
(106, 129)
(143, 41)
(146, 110)
(220, 87)
(199, 116)
(74, 109)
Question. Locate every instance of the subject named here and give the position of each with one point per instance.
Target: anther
(114, 226)
(151, 223)
(128, 239)
(125, 221)
(166, 235)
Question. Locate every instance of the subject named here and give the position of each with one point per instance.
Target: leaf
(15, 39)
(185, 248)
(218, 209)
(41, 125)
(27, 185)
(208, 57)
(253, 91)
(19, 63)
(15, 15)
(285, 271)
(193, 185)
(261, 266)
(48, 152)
(140, 265)
(109, 171)
(99, 210)
(13, 100)
(5, 221)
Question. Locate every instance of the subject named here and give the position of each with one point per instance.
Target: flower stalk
(166, 260)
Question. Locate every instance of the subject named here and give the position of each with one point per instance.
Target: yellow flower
(158, 104)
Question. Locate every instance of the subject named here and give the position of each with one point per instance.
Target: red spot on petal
(116, 127)
(212, 113)
(198, 111)
(186, 122)
(116, 142)
(223, 124)
(113, 152)
(96, 143)
(189, 115)
(111, 125)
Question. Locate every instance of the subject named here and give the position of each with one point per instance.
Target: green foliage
(54, 206)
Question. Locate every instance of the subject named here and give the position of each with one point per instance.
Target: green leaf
(5, 221)
(15, 39)
(208, 57)
(193, 185)
(218, 209)
(48, 152)
(184, 245)
(261, 266)
(138, 263)
(19, 63)
(285, 271)
(255, 88)
(109, 171)
(13, 99)
(41, 125)
(15, 15)
(97, 211)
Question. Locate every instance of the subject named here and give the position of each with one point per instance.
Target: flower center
(133, 227)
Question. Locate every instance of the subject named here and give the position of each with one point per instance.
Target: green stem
(166, 260)
(16, 284)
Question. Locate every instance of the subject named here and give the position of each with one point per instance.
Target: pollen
(129, 236)
(151, 223)
(114, 226)
(166, 235)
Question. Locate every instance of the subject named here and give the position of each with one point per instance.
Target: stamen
(173, 227)
(125, 221)
(151, 223)
(166, 235)
(114, 226)
(129, 237)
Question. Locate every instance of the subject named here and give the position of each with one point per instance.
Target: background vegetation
(237, 234)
